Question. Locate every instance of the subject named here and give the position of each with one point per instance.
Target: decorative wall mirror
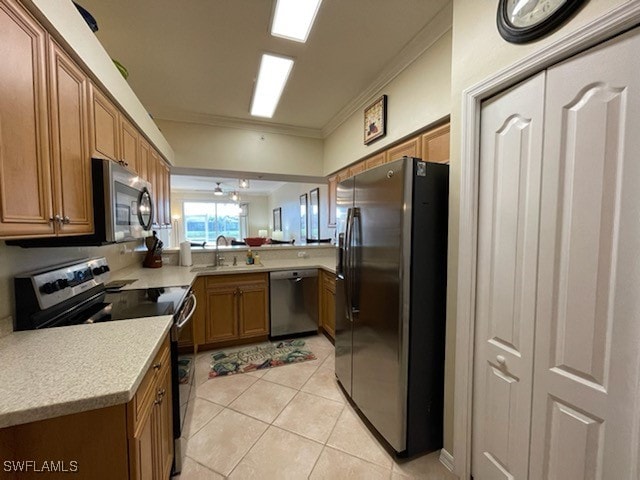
(314, 214)
(304, 203)
(277, 219)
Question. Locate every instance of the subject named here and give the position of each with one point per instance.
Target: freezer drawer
(294, 302)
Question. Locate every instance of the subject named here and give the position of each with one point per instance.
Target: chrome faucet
(219, 259)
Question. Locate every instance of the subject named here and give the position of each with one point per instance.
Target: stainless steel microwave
(123, 209)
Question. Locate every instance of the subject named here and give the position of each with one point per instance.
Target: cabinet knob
(157, 365)
(66, 220)
(501, 360)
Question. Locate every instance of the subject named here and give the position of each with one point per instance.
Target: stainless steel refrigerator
(390, 299)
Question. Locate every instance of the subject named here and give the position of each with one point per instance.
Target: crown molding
(421, 42)
(176, 115)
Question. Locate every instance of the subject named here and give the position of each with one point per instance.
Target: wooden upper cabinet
(410, 148)
(104, 122)
(152, 166)
(435, 145)
(376, 160)
(129, 139)
(25, 176)
(332, 192)
(158, 183)
(144, 154)
(167, 193)
(71, 162)
(357, 168)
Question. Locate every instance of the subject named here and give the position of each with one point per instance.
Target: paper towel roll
(185, 254)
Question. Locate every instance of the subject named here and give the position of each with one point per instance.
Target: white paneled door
(587, 363)
(510, 165)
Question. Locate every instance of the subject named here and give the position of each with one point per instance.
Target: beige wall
(16, 260)
(287, 197)
(259, 213)
(419, 96)
(64, 19)
(238, 149)
(479, 52)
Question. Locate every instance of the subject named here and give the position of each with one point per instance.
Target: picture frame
(304, 206)
(375, 120)
(314, 214)
(277, 219)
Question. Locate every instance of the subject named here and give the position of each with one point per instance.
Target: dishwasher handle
(296, 275)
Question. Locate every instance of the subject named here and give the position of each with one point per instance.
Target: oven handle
(188, 317)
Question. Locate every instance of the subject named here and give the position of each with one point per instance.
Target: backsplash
(16, 260)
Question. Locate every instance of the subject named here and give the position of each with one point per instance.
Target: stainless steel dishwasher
(294, 302)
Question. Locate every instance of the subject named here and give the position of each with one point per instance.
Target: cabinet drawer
(329, 280)
(147, 390)
(233, 279)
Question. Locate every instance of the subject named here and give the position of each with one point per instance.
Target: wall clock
(521, 21)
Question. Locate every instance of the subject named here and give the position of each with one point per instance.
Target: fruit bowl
(255, 241)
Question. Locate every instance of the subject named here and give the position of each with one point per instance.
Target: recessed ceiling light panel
(272, 77)
(293, 19)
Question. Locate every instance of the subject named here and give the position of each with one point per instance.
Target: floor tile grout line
(249, 449)
(208, 421)
(203, 465)
(317, 460)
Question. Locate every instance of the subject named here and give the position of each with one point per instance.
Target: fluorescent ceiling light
(272, 78)
(293, 19)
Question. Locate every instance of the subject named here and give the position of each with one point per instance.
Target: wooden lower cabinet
(328, 303)
(127, 441)
(231, 308)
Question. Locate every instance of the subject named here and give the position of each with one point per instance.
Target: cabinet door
(332, 191)
(435, 145)
(510, 165)
(71, 162)
(152, 168)
(103, 125)
(585, 419)
(328, 306)
(143, 448)
(143, 158)
(25, 175)
(167, 194)
(254, 310)
(357, 168)
(163, 422)
(129, 144)
(410, 148)
(376, 160)
(221, 322)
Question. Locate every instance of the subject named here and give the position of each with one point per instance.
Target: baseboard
(446, 459)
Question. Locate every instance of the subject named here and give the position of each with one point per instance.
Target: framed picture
(303, 215)
(314, 214)
(375, 120)
(277, 219)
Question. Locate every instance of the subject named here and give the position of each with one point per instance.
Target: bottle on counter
(250, 257)
(256, 259)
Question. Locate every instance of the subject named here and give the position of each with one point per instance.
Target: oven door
(183, 376)
(132, 206)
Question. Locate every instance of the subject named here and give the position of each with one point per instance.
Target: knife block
(152, 260)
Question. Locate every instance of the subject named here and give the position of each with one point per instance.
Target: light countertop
(60, 371)
(171, 276)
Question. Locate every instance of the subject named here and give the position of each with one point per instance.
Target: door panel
(253, 310)
(25, 176)
(70, 144)
(379, 376)
(221, 316)
(510, 165)
(103, 120)
(585, 402)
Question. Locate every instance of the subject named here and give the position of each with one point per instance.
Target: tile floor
(289, 422)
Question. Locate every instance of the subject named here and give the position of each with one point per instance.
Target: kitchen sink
(225, 268)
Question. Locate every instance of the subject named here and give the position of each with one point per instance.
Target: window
(204, 221)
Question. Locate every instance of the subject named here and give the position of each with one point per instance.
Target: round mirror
(145, 209)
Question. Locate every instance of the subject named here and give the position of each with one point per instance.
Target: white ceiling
(200, 57)
(207, 184)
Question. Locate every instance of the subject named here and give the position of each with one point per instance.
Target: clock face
(526, 13)
(521, 21)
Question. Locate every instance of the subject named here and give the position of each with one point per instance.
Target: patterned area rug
(184, 369)
(258, 357)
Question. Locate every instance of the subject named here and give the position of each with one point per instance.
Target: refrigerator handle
(354, 264)
(347, 263)
(340, 263)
